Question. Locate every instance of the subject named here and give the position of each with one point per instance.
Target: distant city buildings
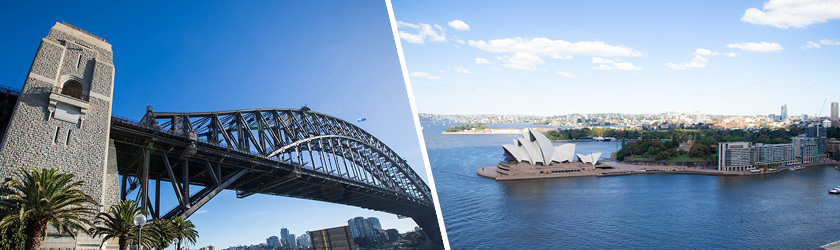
(367, 231)
(303, 240)
(834, 112)
(784, 113)
(284, 236)
(210, 247)
(337, 238)
(273, 241)
(743, 156)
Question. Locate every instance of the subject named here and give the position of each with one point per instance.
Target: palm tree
(159, 233)
(118, 223)
(183, 229)
(11, 236)
(46, 197)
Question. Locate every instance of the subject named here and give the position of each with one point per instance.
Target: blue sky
(561, 57)
(338, 58)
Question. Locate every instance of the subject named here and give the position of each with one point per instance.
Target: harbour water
(789, 210)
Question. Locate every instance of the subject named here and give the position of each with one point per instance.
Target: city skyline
(184, 57)
(713, 57)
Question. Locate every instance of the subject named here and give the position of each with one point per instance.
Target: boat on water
(834, 190)
(795, 168)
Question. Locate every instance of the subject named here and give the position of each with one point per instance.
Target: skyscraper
(374, 223)
(834, 111)
(284, 236)
(784, 113)
(292, 240)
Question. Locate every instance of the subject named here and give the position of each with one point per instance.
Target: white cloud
(757, 47)
(480, 60)
(566, 75)
(816, 45)
(793, 13)
(555, 48)
(829, 42)
(201, 211)
(426, 32)
(522, 61)
(459, 41)
(424, 75)
(460, 69)
(704, 52)
(401, 24)
(699, 61)
(611, 65)
(730, 54)
(459, 25)
(811, 45)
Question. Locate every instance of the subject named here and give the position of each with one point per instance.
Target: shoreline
(622, 169)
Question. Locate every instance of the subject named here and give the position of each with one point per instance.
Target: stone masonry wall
(34, 139)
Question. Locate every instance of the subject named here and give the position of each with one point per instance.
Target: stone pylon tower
(62, 118)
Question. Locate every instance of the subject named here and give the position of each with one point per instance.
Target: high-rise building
(784, 114)
(273, 241)
(303, 240)
(835, 109)
(284, 236)
(292, 240)
(374, 223)
(358, 226)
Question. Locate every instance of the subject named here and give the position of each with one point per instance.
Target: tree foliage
(41, 197)
(118, 223)
(465, 127)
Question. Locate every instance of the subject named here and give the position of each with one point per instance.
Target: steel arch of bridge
(303, 139)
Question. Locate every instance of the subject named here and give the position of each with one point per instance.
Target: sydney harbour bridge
(283, 152)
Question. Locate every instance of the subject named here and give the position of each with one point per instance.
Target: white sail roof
(590, 158)
(533, 147)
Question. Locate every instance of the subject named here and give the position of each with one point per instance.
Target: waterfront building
(734, 156)
(337, 238)
(773, 153)
(807, 149)
(741, 156)
(533, 156)
(590, 158)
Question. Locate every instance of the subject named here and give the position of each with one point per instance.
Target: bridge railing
(9, 90)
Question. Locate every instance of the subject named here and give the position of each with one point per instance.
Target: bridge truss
(285, 152)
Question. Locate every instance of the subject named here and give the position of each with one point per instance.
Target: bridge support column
(431, 227)
(144, 180)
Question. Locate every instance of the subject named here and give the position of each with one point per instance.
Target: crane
(822, 108)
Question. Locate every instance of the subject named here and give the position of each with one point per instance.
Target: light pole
(139, 221)
(75, 232)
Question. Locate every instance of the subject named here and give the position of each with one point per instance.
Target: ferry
(834, 190)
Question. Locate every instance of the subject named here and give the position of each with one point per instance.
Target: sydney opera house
(533, 156)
